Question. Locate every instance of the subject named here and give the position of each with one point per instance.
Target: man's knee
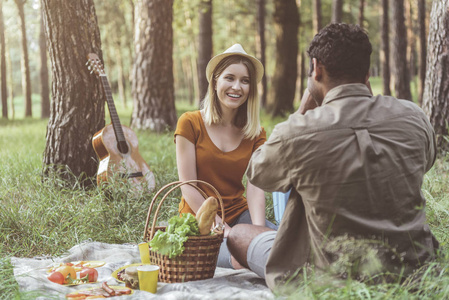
(241, 235)
(235, 234)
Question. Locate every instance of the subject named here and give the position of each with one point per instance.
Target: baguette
(206, 215)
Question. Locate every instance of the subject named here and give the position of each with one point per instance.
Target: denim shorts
(224, 257)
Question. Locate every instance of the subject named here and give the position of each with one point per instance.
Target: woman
(215, 143)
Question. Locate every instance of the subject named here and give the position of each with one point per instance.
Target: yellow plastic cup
(144, 251)
(148, 277)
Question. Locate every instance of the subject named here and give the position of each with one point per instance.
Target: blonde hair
(247, 117)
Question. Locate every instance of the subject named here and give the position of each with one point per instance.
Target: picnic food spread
(77, 265)
(66, 273)
(74, 273)
(105, 291)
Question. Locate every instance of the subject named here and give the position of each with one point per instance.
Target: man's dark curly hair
(344, 50)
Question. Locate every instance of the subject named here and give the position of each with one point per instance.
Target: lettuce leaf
(171, 242)
(168, 243)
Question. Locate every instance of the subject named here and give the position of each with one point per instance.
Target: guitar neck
(120, 136)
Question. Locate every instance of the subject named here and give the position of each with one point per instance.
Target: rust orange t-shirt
(223, 170)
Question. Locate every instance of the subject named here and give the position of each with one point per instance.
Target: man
(355, 164)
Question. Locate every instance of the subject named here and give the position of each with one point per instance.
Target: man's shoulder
(296, 125)
(401, 106)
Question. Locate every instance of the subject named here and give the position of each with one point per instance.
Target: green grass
(47, 217)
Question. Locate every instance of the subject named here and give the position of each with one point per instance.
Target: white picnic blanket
(30, 274)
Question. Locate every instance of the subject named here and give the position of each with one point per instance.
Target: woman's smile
(234, 96)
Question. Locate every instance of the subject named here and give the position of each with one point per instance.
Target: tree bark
(385, 48)
(204, 44)
(286, 18)
(77, 106)
(26, 79)
(337, 11)
(45, 90)
(422, 48)
(317, 22)
(261, 30)
(153, 86)
(401, 70)
(436, 90)
(4, 88)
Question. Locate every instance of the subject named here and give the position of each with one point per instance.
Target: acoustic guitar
(116, 145)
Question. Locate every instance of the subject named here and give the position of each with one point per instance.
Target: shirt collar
(347, 90)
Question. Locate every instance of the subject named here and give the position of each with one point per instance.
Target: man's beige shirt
(355, 166)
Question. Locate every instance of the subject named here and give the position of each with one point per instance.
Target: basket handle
(176, 185)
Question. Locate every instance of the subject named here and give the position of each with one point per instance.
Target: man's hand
(307, 102)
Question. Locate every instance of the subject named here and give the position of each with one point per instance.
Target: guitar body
(128, 166)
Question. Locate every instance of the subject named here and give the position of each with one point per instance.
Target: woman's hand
(226, 229)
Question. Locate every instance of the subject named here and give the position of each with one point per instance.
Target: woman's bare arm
(256, 204)
(186, 162)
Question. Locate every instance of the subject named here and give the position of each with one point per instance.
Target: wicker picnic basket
(199, 259)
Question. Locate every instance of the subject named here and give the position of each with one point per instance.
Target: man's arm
(307, 102)
(267, 168)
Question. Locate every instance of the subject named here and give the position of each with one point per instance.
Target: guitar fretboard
(121, 140)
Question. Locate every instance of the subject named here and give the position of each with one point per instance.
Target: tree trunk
(45, 90)
(204, 44)
(153, 86)
(4, 88)
(261, 29)
(26, 80)
(77, 106)
(436, 90)
(286, 18)
(385, 48)
(337, 11)
(317, 25)
(361, 13)
(422, 48)
(401, 71)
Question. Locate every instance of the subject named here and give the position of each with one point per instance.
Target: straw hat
(235, 49)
